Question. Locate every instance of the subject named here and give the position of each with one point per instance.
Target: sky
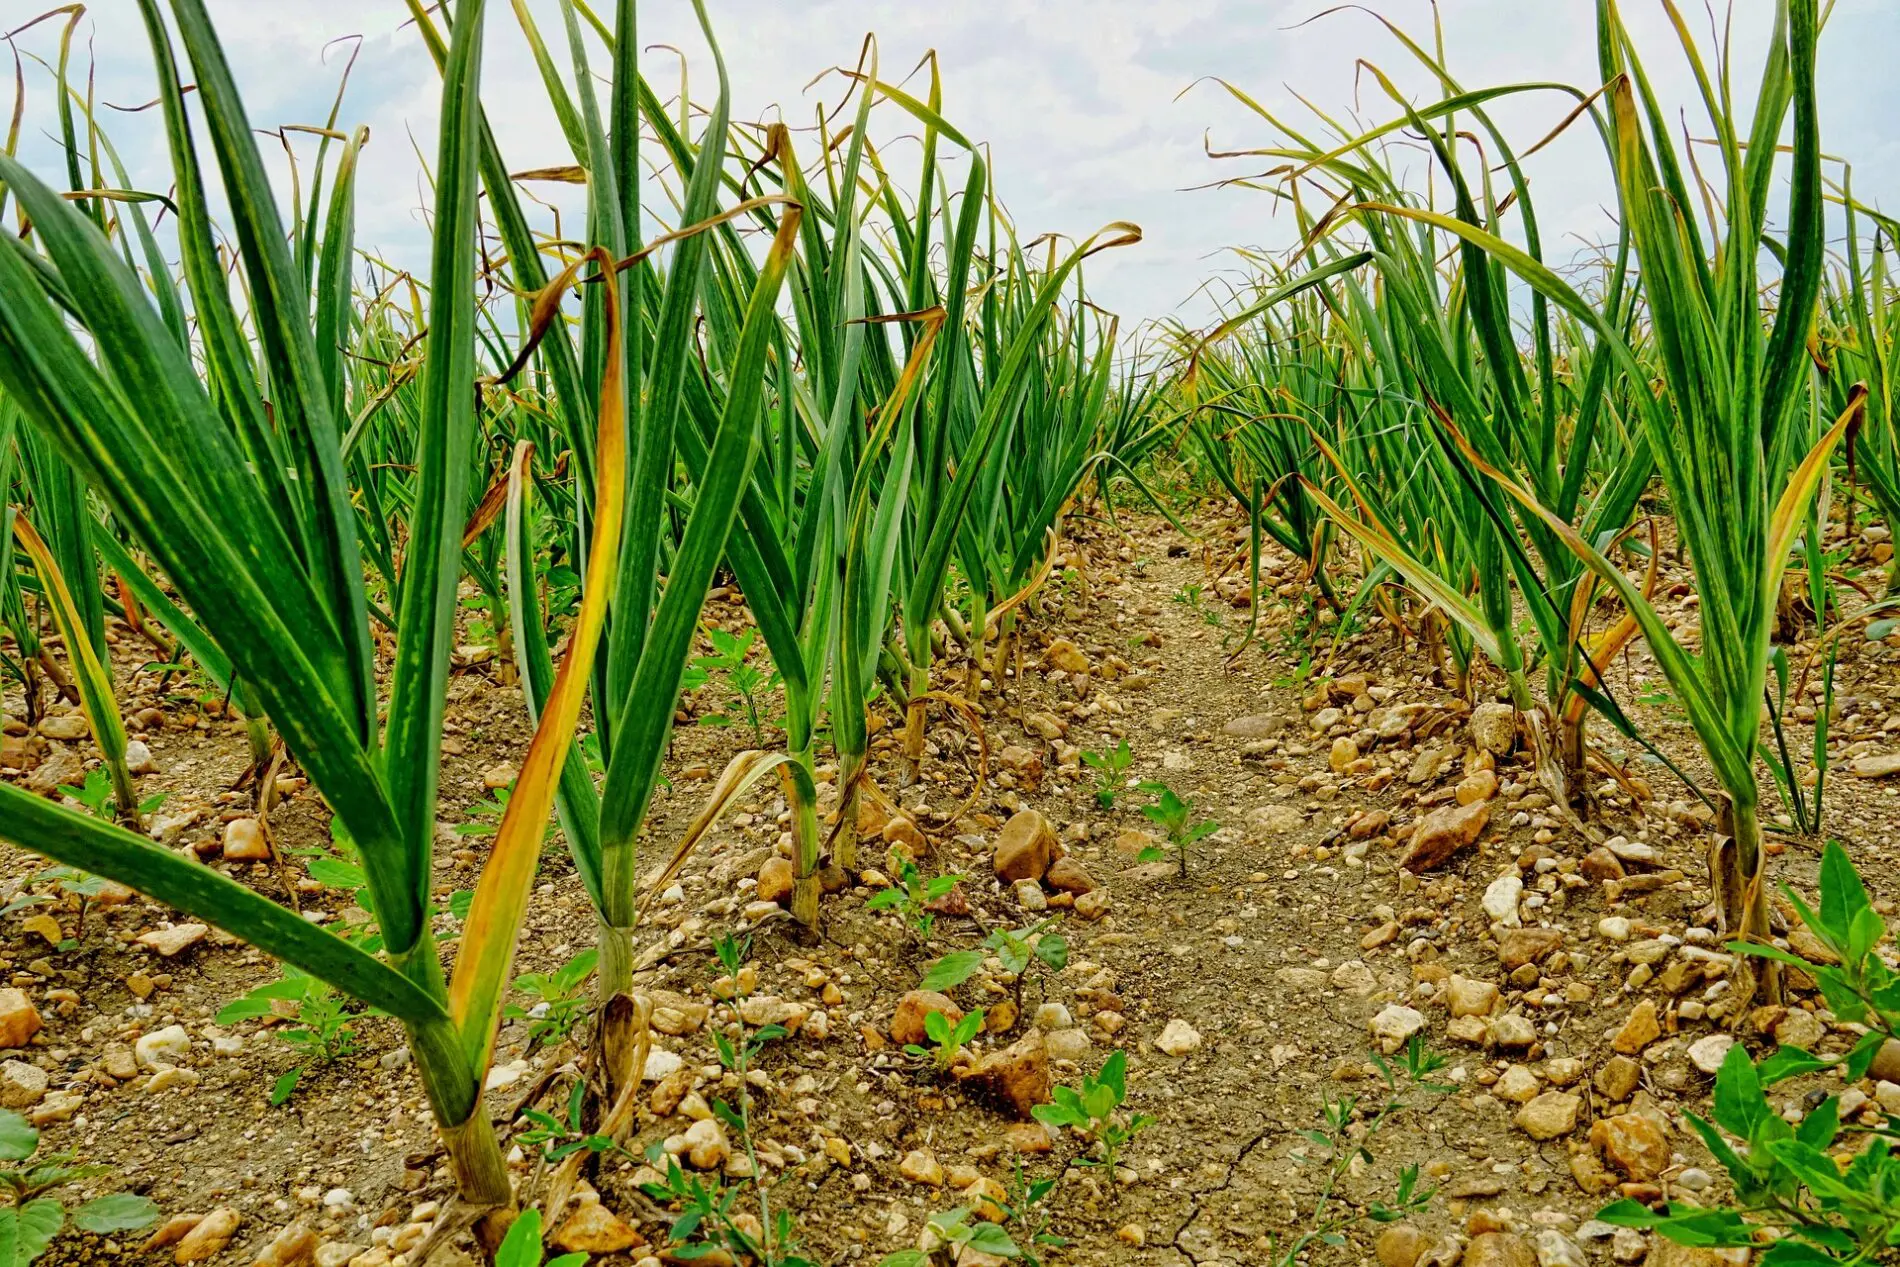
(1094, 110)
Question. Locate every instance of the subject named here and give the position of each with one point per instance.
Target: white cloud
(1080, 100)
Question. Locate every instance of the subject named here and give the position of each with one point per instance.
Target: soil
(1293, 928)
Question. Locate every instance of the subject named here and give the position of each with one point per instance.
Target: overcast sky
(1096, 110)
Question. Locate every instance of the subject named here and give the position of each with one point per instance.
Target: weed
(1172, 814)
(560, 1005)
(32, 1218)
(1109, 765)
(323, 1032)
(947, 1038)
(912, 894)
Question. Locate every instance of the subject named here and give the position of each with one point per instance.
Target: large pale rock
(1471, 998)
(1394, 1024)
(244, 841)
(1178, 1038)
(1255, 726)
(174, 940)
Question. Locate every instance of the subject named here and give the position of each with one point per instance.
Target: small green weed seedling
(522, 1246)
(911, 894)
(323, 1032)
(1172, 814)
(1094, 1109)
(557, 1137)
(729, 657)
(95, 794)
(948, 1038)
(560, 1003)
(32, 1217)
(1109, 765)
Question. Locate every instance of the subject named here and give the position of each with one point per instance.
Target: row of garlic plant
(1484, 427)
(295, 479)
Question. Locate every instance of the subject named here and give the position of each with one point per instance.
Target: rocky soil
(1384, 867)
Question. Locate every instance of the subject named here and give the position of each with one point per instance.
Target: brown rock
(902, 831)
(1640, 1030)
(171, 1231)
(295, 1244)
(72, 726)
(1600, 864)
(1471, 998)
(1589, 1172)
(776, 879)
(1029, 1137)
(1026, 848)
(211, 1234)
(1633, 1144)
(1401, 1245)
(1618, 1077)
(19, 1019)
(594, 1229)
(1069, 876)
(907, 1026)
(1519, 946)
(1065, 655)
(1016, 1077)
(1025, 763)
(1443, 832)
(1499, 1249)
(1886, 1066)
(1093, 905)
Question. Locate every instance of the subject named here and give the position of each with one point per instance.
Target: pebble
(1395, 1024)
(162, 1048)
(1501, 898)
(174, 940)
(1550, 1115)
(1639, 1030)
(921, 1166)
(22, 1085)
(210, 1235)
(19, 1019)
(1178, 1038)
(1708, 1052)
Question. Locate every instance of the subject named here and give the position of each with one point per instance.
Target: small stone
(174, 940)
(1254, 726)
(1395, 1024)
(1518, 1085)
(1480, 785)
(1065, 655)
(1442, 833)
(1094, 905)
(1066, 875)
(1354, 978)
(594, 1229)
(1633, 1144)
(1708, 1052)
(1554, 1249)
(68, 726)
(211, 1234)
(1026, 847)
(1799, 1028)
(1029, 895)
(907, 1025)
(706, 1146)
(1877, 765)
(1618, 1077)
(1666, 1253)
(776, 879)
(1498, 1249)
(1018, 1076)
(1520, 946)
(1344, 752)
(1501, 898)
(1401, 1245)
(22, 1085)
(19, 1019)
(291, 1246)
(1274, 820)
(1550, 1115)
(162, 1047)
(1614, 927)
(138, 757)
(921, 1166)
(1178, 1038)
(1512, 1031)
(500, 776)
(1133, 1234)
(1599, 865)
(1494, 728)
(1640, 1030)
(244, 841)
(1471, 998)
